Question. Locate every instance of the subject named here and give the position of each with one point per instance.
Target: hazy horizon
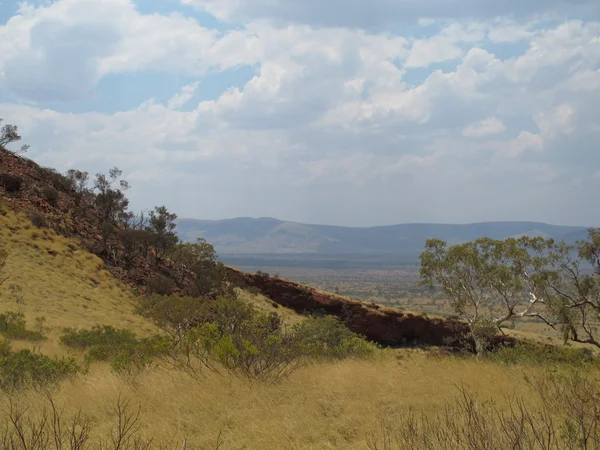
(388, 224)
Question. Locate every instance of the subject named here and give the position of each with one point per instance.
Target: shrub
(10, 183)
(5, 348)
(58, 180)
(129, 359)
(161, 285)
(327, 338)
(98, 336)
(171, 313)
(256, 348)
(13, 326)
(26, 369)
(257, 345)
(121, 348)
(51, 196)
(526, 353)
(38, 220)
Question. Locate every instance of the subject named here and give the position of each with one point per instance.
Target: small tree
(575, 296)
(10, 133)
(161, 224)
(78, 181)
(110, 202)
(190, 254)
(200, 258)
(513, 275)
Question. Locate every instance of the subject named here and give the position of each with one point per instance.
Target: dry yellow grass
(329, 406)
(71, 288)
(262, 303)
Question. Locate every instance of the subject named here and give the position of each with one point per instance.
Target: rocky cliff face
(385, 326)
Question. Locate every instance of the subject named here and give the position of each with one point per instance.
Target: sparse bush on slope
(125, 352)
(326, 338)
(534, 354)
(51, 195)
(231, 334)
(25, 369)
(13, 326)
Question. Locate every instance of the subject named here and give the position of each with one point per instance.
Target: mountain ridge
(271, 236)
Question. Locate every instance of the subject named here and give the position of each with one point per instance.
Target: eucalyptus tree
(575, 298)
(489, 282)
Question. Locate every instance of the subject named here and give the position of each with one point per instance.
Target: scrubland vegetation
(119, 336)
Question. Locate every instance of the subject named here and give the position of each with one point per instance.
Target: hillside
(71, 287)
(146, 274)
(352, 404)
(188, 380)
(275, 238)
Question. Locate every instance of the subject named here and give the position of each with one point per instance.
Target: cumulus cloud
(483, 128)
(59, 51)
(333, 126)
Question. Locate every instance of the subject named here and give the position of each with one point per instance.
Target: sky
(344, 112)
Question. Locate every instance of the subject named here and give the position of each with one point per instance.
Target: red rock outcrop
(385, 326)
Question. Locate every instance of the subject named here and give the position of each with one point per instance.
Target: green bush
(98, 336)
(257, 345)
(161, 285)
(38, 220)
(526, 353)
(26, 369)
(58, 180)
(5, 348)
(133, 358)
(171, 313)
(50, 195)
(124, 351)
(255, 349)
(13, 326)
(327, 338)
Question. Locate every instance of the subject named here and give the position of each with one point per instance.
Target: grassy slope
(319, 407)
(71, 288)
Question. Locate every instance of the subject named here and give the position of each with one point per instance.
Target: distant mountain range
(291, 240)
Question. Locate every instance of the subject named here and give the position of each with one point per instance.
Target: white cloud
(483, 128)
(560, 119)
(331, 121)
(61, 51)
(525, 141)
(186, 94)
